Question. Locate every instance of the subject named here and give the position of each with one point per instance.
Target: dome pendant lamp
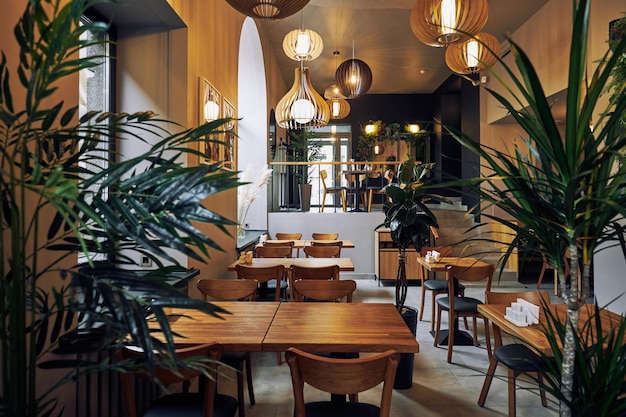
(268, 9)
(473, 55)
(302, 106)
(354, 78)
(439, 23)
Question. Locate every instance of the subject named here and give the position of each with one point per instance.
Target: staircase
(454, 225)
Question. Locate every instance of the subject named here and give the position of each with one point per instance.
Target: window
(334, 141)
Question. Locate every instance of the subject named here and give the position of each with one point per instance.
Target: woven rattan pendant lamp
(473, 55)
(302, 106)
(303, 45)
(439, 23)
(339, 108)
(268, 9)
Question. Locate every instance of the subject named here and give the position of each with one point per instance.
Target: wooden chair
(235, 290)
(460, 306)
(330, 251)
(332, 190)
(325, 236)
(318, 290)
(437, 286)
(313, 272)
(328, 243)
(206, 403)
(264, 275)
(378, 189)
(517, 357)
(290, 236)
(271, 251)
(341, 376)
(358, 192)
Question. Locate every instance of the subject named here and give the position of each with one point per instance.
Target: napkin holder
(522, 313)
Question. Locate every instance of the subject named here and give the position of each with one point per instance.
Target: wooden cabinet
(386, 258)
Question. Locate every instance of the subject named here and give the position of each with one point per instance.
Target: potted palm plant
(567, 192)
(58, 203)
(302, 150)
(409, 220)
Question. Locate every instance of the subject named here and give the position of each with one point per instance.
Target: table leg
(461, 338)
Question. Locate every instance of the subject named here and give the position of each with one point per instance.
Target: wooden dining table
(339, 327)
(345, 264)
(275, 326)
(461, 338)
(534, 335)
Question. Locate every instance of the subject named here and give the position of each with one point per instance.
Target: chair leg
(438, 325)
(474, 331)
(240, 399)
(323, 202)
(432, 308)
(249, 379)
(451, 318)
(279, 358)
(421, 316)
(493, 364)
(488, 339)
(511, 391)
(542, 392)
(370, 196)
(344, 203)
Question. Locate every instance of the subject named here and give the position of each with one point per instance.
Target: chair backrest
(474, 273)
(167, 376)
(321, 290)
(288, 236)
(319, 251)
(228, 289)
(279, 242)
(325, 236)
(342, 376)
(262, 275)
(323, 176)
(270, 251)
(314, 272)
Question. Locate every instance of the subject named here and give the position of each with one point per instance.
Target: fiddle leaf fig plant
(61, 199)
(408, 218)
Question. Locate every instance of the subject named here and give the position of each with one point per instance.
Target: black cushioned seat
(439, 285)
(461, 304)
(519, 357)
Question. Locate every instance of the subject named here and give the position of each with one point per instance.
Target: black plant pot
(404, 374)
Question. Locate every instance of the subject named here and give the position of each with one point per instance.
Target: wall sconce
(413, 128)
(378, 149)
(211, 99)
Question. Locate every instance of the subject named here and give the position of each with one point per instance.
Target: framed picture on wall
(230, 137)
(210, 106)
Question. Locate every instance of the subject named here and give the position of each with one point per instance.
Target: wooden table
(243, 330)
(534, 335)
(301, 243)
(339, 327)
(345, 264)
(461, 338)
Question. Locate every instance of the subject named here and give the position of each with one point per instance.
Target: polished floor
(439, 388)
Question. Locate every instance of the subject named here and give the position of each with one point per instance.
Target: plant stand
(404, 374)
(305, 196)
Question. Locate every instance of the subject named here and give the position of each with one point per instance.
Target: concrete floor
(439, 388)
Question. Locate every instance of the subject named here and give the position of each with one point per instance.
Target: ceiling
(382, 37)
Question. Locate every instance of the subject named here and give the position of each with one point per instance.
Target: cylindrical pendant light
(302, 106)
(303, 45)
(442, 22)
(268, 9)
(473, 55)
(354, 78)
(339, 108)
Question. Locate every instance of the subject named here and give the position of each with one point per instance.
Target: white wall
(151, 72)
(253, 126)
(358, 227)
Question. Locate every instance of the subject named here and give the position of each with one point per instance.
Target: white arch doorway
(253, 127)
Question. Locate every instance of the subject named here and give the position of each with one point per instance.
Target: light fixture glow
(440, 23)
(211, 111)
(354, 78)
(339, 108)
(302, 106)
(473, 55)
(268, 9)
(303, 45)
(370, 129)
(413, 128)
